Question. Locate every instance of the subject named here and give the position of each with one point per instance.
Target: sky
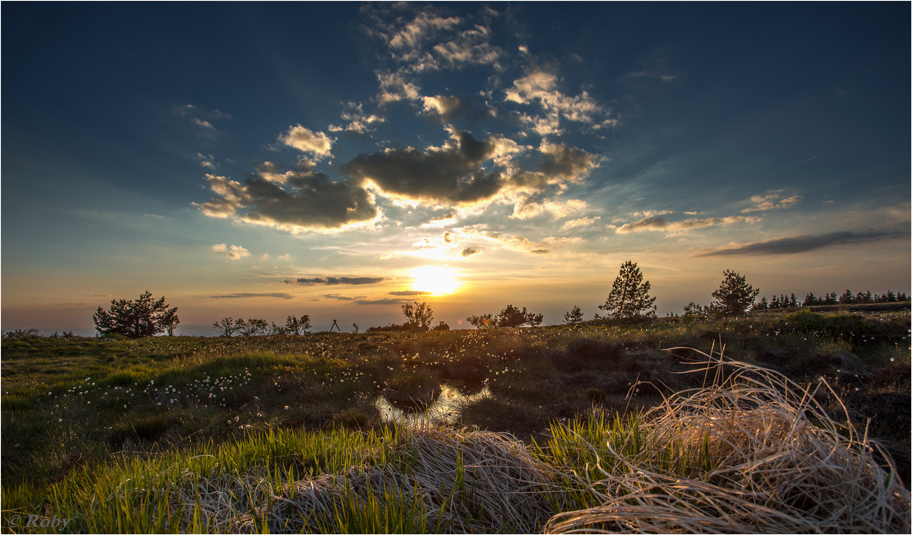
(342, 159)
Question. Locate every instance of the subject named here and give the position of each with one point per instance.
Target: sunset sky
(341, 159)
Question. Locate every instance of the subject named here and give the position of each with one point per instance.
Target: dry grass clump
(442, 481)
(752, 453)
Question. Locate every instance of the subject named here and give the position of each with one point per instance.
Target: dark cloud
(540, 251)
(244, 295)
(407, 293)
(332, 281)
(298, 199)
(448, 237)
(385, 301)
(339, 297)
(442, 109)
(803, 244)
(468, 251)
(450, 174)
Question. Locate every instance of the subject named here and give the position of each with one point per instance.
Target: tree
(226, 325)
(251, 327)
(629, 297)
(847, 298)
(573, 317)
(419, 314)
(695, 309)
(135, 319)
(485, 321)
(762, 305)
(295, 325)
(512, 316)
(734, 295)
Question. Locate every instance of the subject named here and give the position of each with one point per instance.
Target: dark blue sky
(672, 134)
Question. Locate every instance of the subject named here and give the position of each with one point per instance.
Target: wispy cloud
(234, 251)
(660, 223)
(332, 281)
(469, 251)
(247, 295)
(411, 293)
(803, 244)
(581, 222)
(356, 120)
(771, 200)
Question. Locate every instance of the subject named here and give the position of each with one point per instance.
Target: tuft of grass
(754, 452)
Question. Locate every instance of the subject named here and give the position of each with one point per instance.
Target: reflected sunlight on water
(446, 409)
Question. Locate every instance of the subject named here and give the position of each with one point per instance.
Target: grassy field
(283, 433)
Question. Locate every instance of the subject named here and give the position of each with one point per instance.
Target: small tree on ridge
(734, 295)
(629, 297)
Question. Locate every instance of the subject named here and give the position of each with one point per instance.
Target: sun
(433, 279)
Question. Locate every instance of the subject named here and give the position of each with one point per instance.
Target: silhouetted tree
(694, 309)
(734, 295)
(419, 314)
(226, 325)
(442, 326)
(573, 317)
(485, 321)
(629, 297)
(295, 325)
(251, 327)
(762, 305)
(136, 319)
(512, 316)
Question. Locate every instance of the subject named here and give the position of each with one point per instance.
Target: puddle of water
(446, 409)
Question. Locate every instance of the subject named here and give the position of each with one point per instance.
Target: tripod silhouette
(336, 325)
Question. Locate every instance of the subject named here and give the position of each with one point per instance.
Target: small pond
(445, 409)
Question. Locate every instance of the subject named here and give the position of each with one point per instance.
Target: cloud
(451, 174)
(206, 160)
(385, 301)
(803, 244)
(305, 200)
(395, 87)
(411, 293)
(581, 222)
(469, 251)
(660, 223)
(339, 297)
(306, 141)
(448, 237)
(444, 109)
(427, 39)
(527, 208)
(443, 220)
(333, 281)
(234, 251)
(246, 295)
(771, 200)
(521, 243)
(541, 86)
(357, 120)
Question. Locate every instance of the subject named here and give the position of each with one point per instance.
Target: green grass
(81, 412)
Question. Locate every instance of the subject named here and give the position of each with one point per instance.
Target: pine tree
(774, 304)
(574, 316)
(762, 305)
(734, 295)
(629, 297)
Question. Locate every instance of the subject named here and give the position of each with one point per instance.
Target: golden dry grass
(777, 464)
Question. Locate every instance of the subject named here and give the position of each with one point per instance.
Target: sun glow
(433, 279)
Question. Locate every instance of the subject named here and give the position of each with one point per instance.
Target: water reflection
(446, 409)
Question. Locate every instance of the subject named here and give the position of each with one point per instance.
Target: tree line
(628, 299)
